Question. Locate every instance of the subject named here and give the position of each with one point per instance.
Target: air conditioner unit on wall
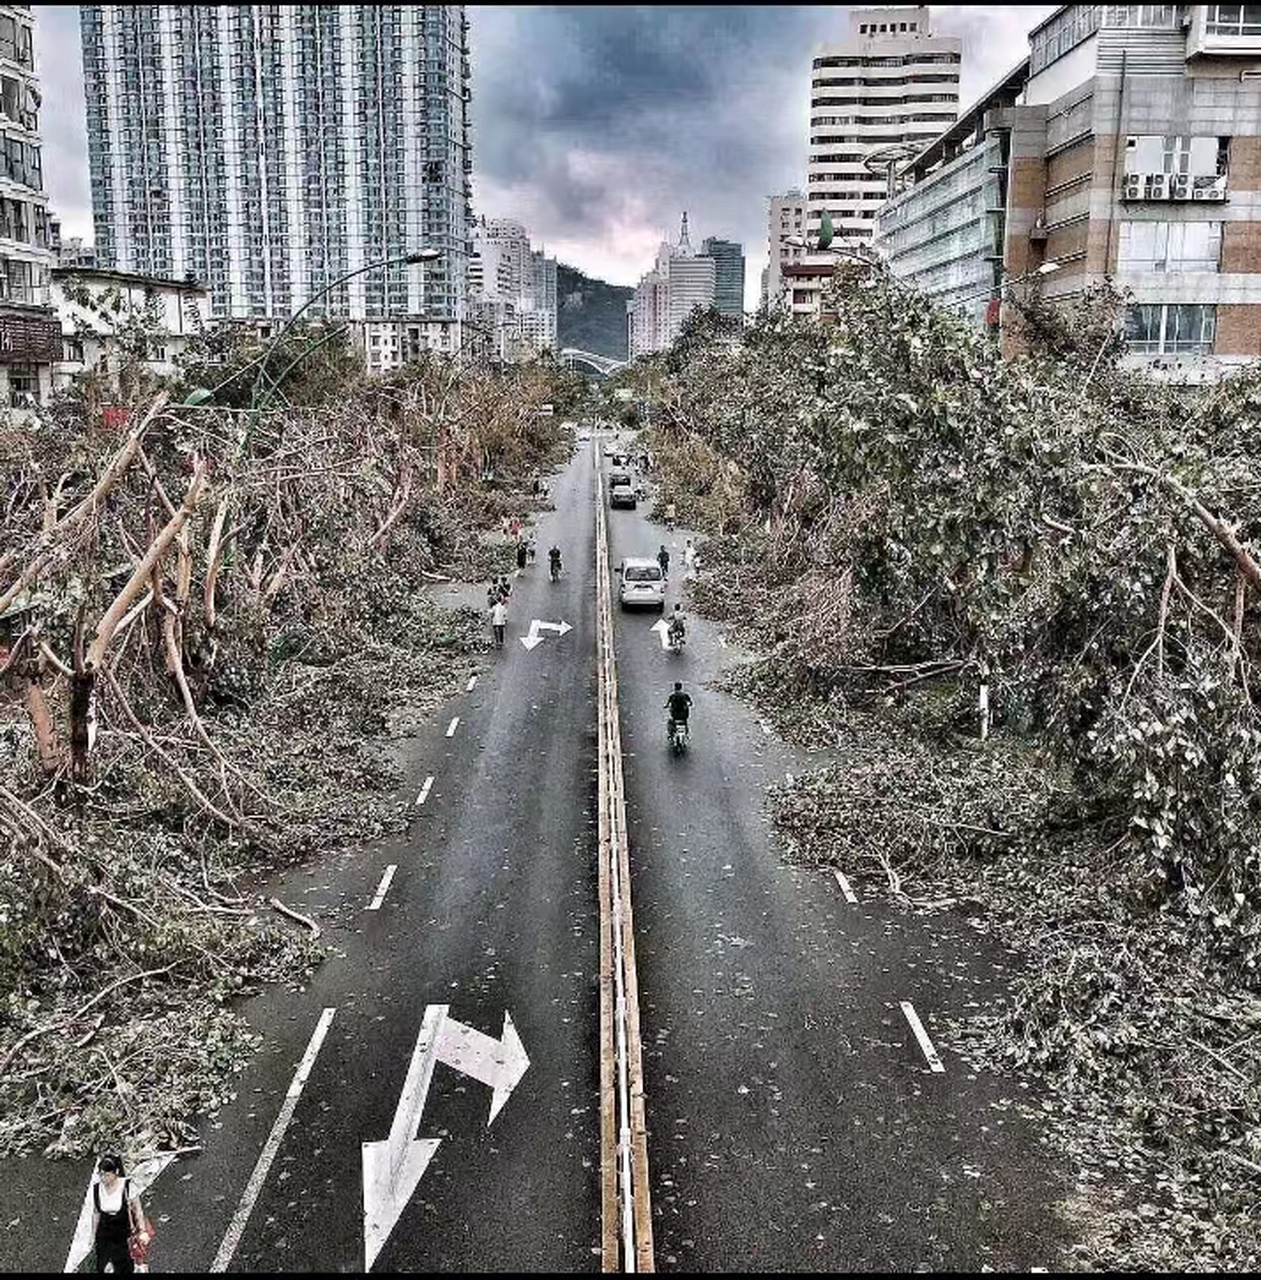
(1215, 193)
(1133, 188)
(1156, 186)
(1180, 188)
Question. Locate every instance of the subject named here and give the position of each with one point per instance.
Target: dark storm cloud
(597, 125)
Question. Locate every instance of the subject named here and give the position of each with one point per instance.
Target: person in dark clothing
(521, 554)
(679, 704)
(117, 1214)
(663, 559)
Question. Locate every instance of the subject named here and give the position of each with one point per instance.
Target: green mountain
(592, 314)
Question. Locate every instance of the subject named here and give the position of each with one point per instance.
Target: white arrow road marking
(392, 1169)
(455, 720)
(561, 628)
(663, 627)
(934, 1062)
(845, 889)
(383, 888)
(498, 1063)
(142, 1177)
(424, 791)
(236, 1228)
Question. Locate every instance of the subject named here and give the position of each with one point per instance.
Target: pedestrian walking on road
(492, 594)
(689, 560)
(515, 528)
(505, 589)
(520, 555)
(498, 621)
(663, 559)
(530, 548)
(670, 514)
(119, 1226)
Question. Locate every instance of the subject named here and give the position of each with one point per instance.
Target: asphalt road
(795, 1123)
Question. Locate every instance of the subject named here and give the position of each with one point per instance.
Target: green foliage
(591, 314)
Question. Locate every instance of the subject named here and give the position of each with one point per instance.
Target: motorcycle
(676, 638)
(555, 570)
(676, 735)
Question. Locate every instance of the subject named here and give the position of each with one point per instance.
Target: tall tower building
(690, 280)
(269, 149)
(889, 89)
(728, 274)
(30, 338)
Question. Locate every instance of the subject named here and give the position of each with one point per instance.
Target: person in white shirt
(498, 621)
(689, 560)
(117, 1215)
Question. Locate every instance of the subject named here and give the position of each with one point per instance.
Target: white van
(642, 583)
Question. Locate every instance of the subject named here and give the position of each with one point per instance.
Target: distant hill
(592, 313)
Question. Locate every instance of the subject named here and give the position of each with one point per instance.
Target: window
(1233, 19)
(1198, 156)
(1171, 328)
(23, 385)
(1168, 247)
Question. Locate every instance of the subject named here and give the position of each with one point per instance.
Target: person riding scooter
(677, 630)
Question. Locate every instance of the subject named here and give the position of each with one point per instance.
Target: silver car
(642, 584)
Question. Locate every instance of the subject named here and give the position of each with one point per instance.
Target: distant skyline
(597, 126)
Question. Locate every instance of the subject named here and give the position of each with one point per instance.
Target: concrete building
(93, 306)
(271, 149)
(1133, 153)
(390, 344)
(512, 291)
(30, 338)
(728, 274)
(68, 251)
(875, 98)
(786, 220)
(679, 282)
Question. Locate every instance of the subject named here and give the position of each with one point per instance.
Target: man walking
(689, 560)
(663, 559)
(498, 621)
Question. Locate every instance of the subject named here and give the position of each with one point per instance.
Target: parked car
(621, 490)
(642, 583)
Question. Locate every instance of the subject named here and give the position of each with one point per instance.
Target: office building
(876, 98)
(512, 292)
(728, 274)
(269, 150)
(1130, 153)
(680, 281)
(30, 337)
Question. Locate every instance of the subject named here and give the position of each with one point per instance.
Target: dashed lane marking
(934, 1062)
(424, 791)
(236, 1228)
(849, 893)
(451, 727)
(383, 888)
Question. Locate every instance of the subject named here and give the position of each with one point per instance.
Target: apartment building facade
(1132, 154)
(785, 243)
(875, 98)
(271, 150)
(680, 281)
(30, 337)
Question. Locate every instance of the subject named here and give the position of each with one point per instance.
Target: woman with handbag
(119, 1226)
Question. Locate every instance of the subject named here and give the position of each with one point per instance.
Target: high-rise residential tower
(890, 88)
(269, 149)
(728, 274)
(30, 338)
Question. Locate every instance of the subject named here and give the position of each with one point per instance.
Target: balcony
(1209, 188)
(1223, 30)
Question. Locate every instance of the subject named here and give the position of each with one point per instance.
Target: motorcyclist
(678, 705)
(553, 558)
(677, 627)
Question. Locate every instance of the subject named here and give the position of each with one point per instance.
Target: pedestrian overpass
(603, 365)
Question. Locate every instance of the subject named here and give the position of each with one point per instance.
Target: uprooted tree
(206, 617)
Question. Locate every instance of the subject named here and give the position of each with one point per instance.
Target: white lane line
(451, 727)
(424, 791)
(383, 887)
(236, 1228)
(468, 688)
(845, 889)
(934, 1062)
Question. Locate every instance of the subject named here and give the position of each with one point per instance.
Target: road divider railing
(626, 1203)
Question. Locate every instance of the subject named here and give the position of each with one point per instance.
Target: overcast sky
(597, 126)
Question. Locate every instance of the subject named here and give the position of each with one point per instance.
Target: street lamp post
(421, 255)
